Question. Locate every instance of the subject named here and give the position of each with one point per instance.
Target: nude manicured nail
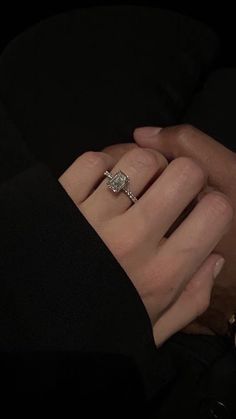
(218, 267)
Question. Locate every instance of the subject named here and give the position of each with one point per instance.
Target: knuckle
(185, 131)
(142, 157)
(221, 204)
(95, 158)
(190, 168)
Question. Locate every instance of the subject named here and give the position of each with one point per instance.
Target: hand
(220, 163)
(173, 277)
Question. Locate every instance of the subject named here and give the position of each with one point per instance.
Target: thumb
(193, 301)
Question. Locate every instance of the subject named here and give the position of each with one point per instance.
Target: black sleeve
(70, 319)
(65, 302)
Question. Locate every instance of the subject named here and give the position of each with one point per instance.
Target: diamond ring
(119, 182)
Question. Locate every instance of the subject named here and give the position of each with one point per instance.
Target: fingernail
(148, 131)
(218, 267)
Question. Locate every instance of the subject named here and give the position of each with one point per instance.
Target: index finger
(188, 141)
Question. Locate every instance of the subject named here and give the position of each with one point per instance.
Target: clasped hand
(169, 241)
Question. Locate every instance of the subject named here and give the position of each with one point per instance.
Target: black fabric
(213, 108)
(52, 297)
(74, 329)
(93, 75)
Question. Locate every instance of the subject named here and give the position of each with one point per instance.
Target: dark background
(14, 18)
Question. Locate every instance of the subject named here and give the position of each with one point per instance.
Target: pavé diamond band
(119, 182)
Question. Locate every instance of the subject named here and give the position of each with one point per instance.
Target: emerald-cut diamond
(118, 181)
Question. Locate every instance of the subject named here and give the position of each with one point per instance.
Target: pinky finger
(193, 302)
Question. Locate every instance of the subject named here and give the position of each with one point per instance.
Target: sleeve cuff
(61, 287)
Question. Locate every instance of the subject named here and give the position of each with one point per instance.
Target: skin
(173, 276)
(220, 164)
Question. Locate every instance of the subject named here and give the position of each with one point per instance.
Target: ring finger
(142, 166)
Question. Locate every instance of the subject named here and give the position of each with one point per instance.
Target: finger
(186, 140)
(118, 150)
(84, 174)
(189, 208)
(194, 301)
(166, 199)
(185, 250)
(142, 166)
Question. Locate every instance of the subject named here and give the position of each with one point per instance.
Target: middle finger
(166, 198)
(142, 166)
